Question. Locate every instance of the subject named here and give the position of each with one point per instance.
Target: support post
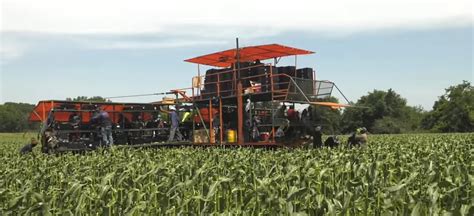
(177, 103)
(194, 123)
(296, 64)
(218, 87)
(250, 114)
(211, 129)
(240, 112)
(44, 111)
(273, 102)
(198, 91)
(221, 125)
(314, 82)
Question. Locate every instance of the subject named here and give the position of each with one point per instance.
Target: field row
(401, 174)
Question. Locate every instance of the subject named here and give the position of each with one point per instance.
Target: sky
(54, 49)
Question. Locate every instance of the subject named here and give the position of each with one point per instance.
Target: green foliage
(429, 174)
(387, 125)
(414, 116)
(454, 111)
(89, 99)
(14, 117)
(382, 112)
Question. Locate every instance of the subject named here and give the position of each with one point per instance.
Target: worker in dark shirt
(29, 147)
(307, 121)
(317, 137)
(332, 142)
(74, 121)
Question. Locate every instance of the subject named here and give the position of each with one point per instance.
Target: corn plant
(417, 174)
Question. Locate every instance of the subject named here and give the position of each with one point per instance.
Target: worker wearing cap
(359, 137)
(28, 148)
(174, 130)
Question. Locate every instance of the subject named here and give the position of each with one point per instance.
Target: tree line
(386, 112)
(380, 111)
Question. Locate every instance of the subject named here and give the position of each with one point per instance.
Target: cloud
(149, 16)
(130, 44)
(10, 50)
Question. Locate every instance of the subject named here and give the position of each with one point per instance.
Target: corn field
(429, 174)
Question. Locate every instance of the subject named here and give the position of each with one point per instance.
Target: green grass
(419, 174)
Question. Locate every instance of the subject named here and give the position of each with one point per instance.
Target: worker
(138, 123)
(51, 121)
(291, 113)
(317, 137)
(74, 121)
(248, 121)
(248, 106)
(216, 124)
(306, 119)
(255, 132)
(281, 122)
(186, 116)
(332, 141)
(279, 134)
(174, 130)
(28, 148)
(159, 121)
(358, 138)
(281, 112)
(102, 118)
(156, 122)
(186, 123)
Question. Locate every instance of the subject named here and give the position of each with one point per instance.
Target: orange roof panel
(247, 54)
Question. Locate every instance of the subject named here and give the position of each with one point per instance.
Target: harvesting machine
(239, 102)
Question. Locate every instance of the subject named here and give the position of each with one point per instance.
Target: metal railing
(260, 79)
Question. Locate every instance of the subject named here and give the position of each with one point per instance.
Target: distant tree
(382, 112)
(454, 111)
(414, 116)
(387, 125)
(14, 117)
(89, 99)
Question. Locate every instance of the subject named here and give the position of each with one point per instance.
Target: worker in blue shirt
(174, 130)
(102, 118)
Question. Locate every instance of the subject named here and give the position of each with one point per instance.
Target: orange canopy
(247, 54)
(331, 104)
